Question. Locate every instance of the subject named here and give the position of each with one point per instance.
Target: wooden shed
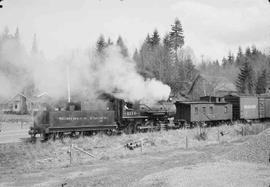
(18, 104)
(21, 104)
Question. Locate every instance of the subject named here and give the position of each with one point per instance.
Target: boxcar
(202, 111)
(264, 106)
(244, 107)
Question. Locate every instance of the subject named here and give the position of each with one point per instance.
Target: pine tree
(261, 83)
(166, 42)
(176, 37)
(224, 62)
(123, 48)
(245, 79)
(136, 56)
(254, 50)
(148, 40)
(101, 44)
(248, 52)
(240, 58)
(230, 58)
(109, 42)
(155, 39)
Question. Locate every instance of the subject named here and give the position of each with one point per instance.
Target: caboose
(208, 110)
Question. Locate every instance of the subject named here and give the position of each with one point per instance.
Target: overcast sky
(211, 27)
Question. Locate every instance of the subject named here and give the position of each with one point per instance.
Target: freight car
(115, 116)
(244, 107)
(192, 113)
(264, 107)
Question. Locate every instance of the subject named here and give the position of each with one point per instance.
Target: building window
(225, 109)
(204, 110)
(211, 110)
(16, 106)
(196, 110)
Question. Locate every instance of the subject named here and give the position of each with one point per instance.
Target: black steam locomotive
(114, 116)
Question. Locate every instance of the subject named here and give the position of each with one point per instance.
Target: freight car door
(249, 108)
(262, 108)
(267, 107)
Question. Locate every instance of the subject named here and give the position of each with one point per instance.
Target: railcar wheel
(109, 132)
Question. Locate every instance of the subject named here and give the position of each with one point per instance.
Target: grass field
(179, 146)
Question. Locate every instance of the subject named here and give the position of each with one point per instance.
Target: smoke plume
(89, 74)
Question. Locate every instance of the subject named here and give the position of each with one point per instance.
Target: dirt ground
(15, 132)
(167, 163)
(195, 167)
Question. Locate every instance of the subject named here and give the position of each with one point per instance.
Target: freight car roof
(200, 102)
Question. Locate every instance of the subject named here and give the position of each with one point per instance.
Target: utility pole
(202, 57)
(68, 83)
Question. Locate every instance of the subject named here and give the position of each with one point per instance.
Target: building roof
(12, 98)
(194, 102)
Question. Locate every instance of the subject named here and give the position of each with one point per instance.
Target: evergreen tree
(248, 52)
(123, 48)
(166, 42)
(101, 44)
(148, 40)
(230, 59)
(155, 39)
(261, 83)
(136, 56)
(254, 50)
(109, 42)
(240, 58)
(245, 79)
(224, 62)
(176, 38)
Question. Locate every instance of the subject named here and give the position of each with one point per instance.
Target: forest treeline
(249, 70)
(162, 56)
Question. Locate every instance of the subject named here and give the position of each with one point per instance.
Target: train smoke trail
(88, 76)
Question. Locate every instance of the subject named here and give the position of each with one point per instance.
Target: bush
(201, 136)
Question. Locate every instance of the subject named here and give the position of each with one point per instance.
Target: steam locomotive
(114, 116)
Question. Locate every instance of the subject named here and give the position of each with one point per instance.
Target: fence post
(70, 154)
(218, 136)
(141, 145)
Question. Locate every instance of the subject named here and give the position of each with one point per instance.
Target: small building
(21, 104)
(211, 85)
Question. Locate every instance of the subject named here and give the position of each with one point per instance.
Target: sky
(212, 28)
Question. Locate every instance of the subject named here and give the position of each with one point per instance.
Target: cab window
(196, 110)
(211, 110)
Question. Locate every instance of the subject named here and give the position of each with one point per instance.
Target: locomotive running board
(82, 128)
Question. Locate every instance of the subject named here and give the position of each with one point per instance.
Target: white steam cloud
(88, 75)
